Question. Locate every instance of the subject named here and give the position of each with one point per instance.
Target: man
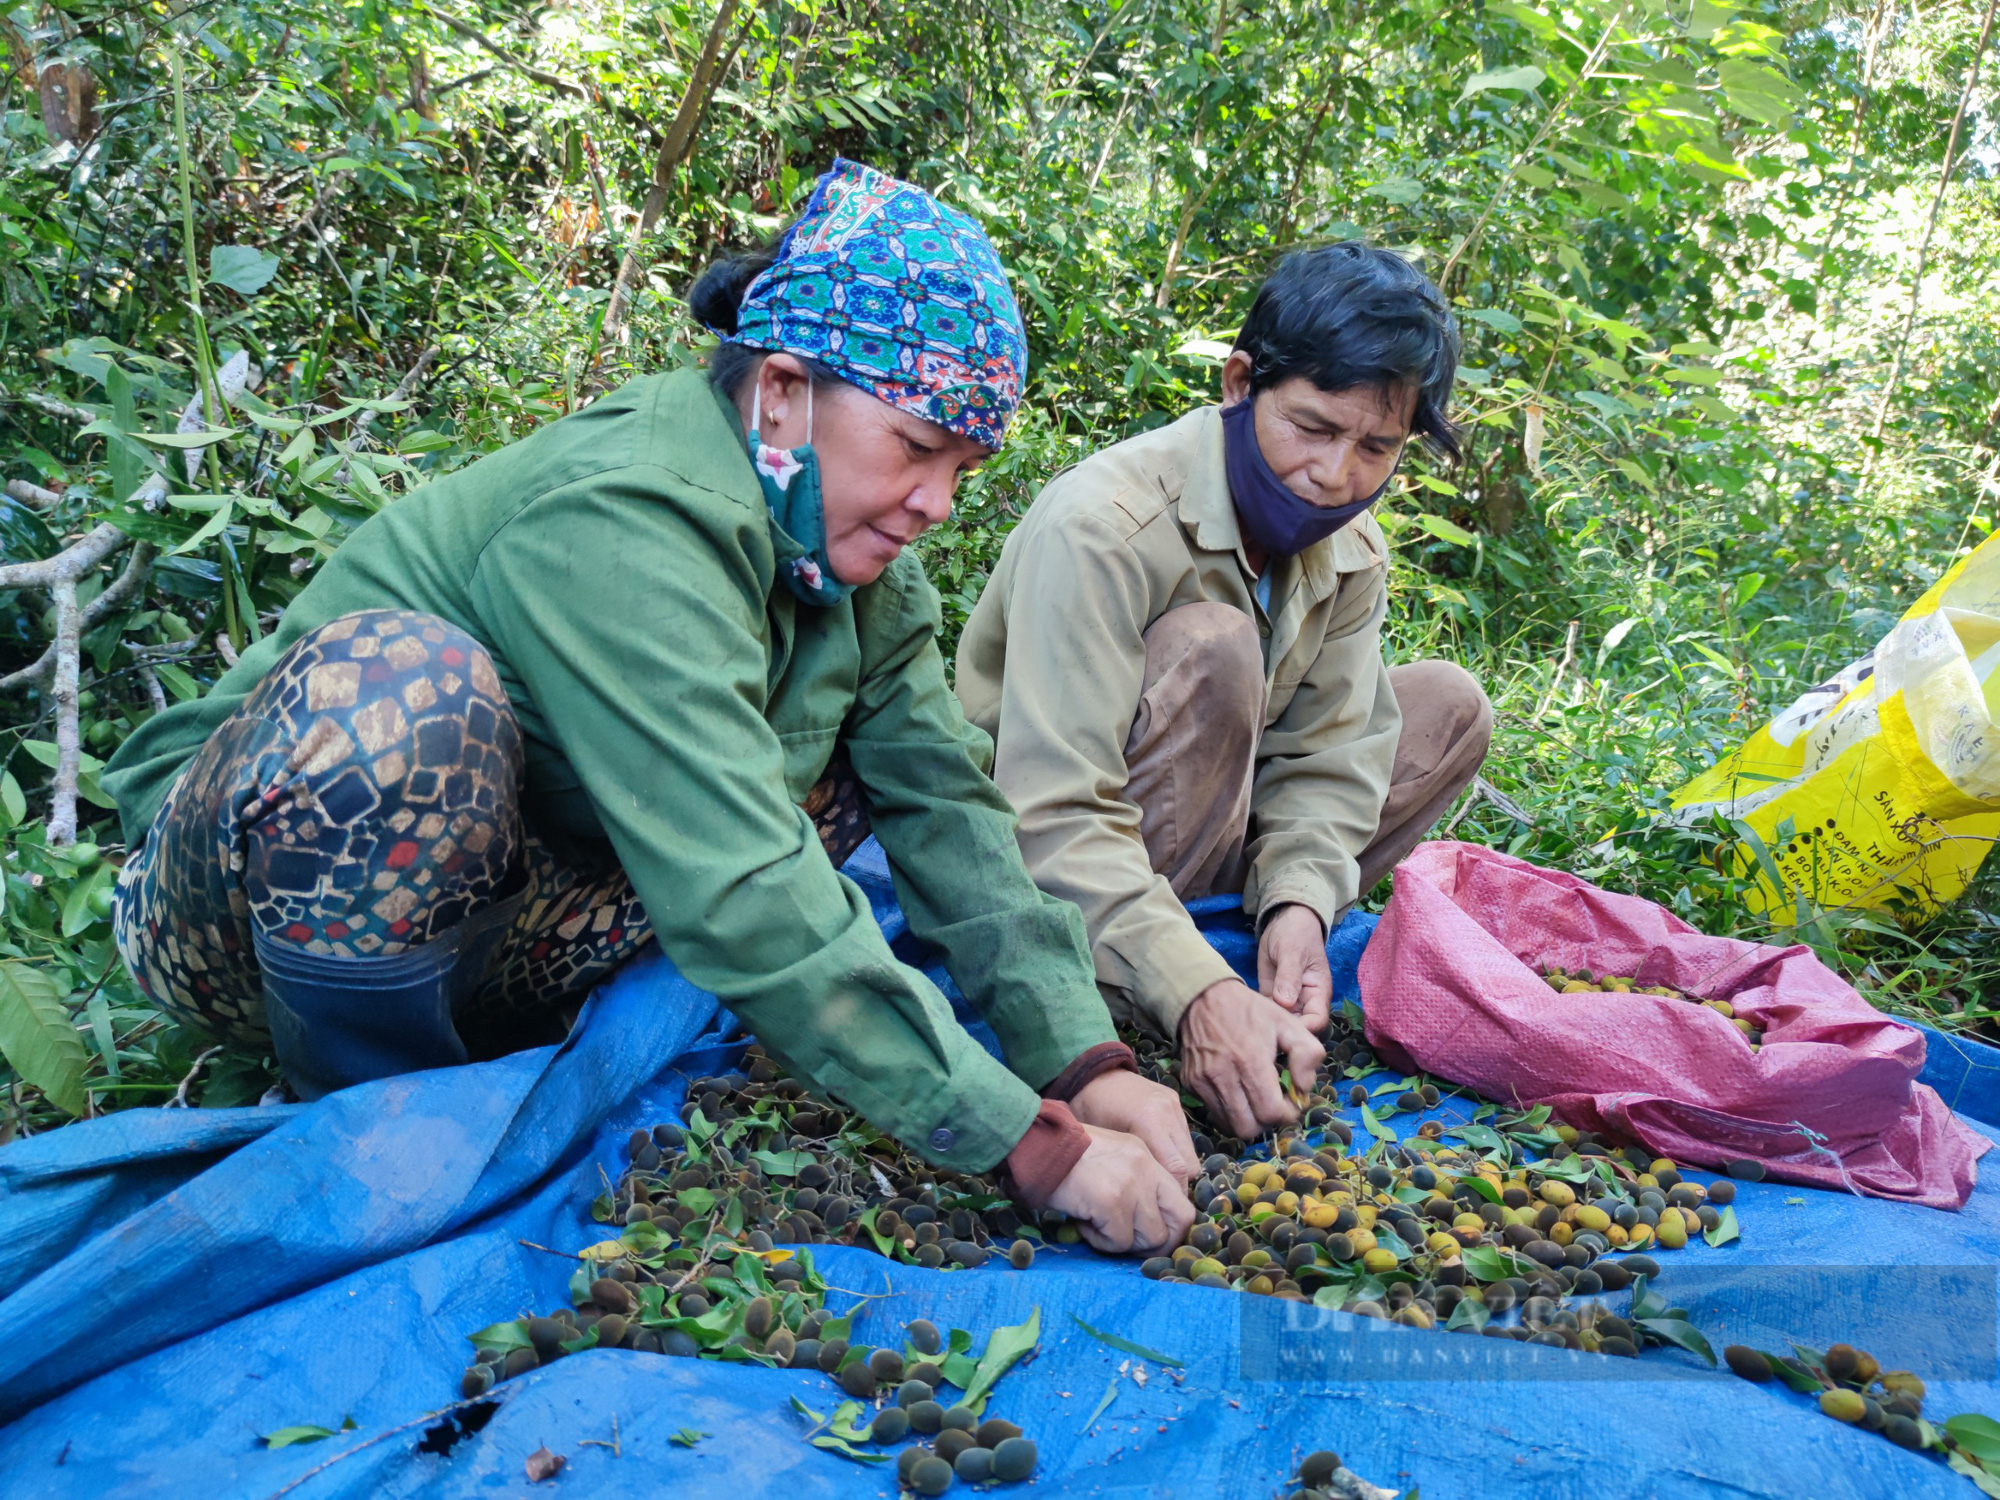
(1179, 657)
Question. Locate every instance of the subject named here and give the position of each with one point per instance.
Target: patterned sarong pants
(363, 799)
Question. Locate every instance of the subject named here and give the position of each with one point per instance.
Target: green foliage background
(1682, 237)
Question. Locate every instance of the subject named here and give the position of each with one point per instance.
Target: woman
(651, 672)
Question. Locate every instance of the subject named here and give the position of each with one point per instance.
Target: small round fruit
(925, 1371)
(780, 1346)
(906, 1461)
(831, 1353)
(952, 1442)
(476, 1381)
(680, 1345)
(1747, 1362)
(910, 1392)
(1315, 1469)
(891, 1424)
(1745, 1170)
(805, 1355)
(519, 1362)
(1014, 1460)
(1903, 1432)
(994, 1431)
(886, 1365)
(924, 1336)
(1673, 1232)
(546, 1334)
(1021, 1254)
(926, 1417)
(1843, 1405)
(974, 1465)
(612, 1295)
(757, 1317)
(930, 1475)
(1722, 1191)
(859, 1381)
(1843, 1361)
(960, 1419)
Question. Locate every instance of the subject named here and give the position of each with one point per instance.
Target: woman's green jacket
(618, 566)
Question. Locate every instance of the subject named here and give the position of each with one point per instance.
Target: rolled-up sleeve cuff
(1302, 890)
(1172, 976)
(1047, 1153)
(1106, 1057)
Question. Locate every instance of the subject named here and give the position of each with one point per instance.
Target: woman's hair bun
(717, 294)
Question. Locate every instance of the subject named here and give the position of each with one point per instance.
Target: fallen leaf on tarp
(543, 1464)
(1126, 1346)
(1005, 1347)
(687, 1437)
(1110, 1391)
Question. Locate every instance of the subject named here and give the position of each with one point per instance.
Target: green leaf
(1398, 190)
(1960, 1464)
(1794, 1375)
(1527, 77)
(1725, 1229)
(1485, 1263)
(1492, 317)
(1104, 1402)
(1977, 1435)
(12, 800)
(1680, 1333)
(687, 1437)
(1470, 1311)
(427, 440)
(185, 440)
(1757, 91)
(76, 912)
(1005, 1347)
(1445, 531)
(503, 1336)
(286, 1437)
(1480, 1186)
(782, 1163)
(1126, 1346)
(1376, 1128)
(38, 1039)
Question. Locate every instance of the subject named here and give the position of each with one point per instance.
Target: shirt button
(941, 1139)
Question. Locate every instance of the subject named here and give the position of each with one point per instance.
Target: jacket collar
(1209, 514)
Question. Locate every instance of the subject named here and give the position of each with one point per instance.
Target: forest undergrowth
(1725, 273)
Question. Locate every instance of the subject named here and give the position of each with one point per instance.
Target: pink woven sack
(1452, 982)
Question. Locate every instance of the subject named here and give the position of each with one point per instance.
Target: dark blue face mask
(1272, 517)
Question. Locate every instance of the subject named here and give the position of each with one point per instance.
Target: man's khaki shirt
(1051, 665)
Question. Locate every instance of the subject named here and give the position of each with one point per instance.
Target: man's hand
(1230, 1039)
(1291, 965)
(1121, 1198)
(1122, 1100)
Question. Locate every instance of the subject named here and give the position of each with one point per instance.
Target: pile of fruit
(1851, 1387)
(1496, 1230)
(1563, 982)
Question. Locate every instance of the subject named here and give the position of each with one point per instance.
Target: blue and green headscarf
(896, 294)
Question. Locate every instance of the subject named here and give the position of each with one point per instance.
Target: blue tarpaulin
(178, 1283)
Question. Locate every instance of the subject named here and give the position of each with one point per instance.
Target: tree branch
(507, 59)
(680, 135)
(137, 568)
(1930, 226)
(29, 493)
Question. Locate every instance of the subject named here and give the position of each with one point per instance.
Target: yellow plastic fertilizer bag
(1884, 784)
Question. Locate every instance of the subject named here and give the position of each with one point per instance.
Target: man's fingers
(1235, 1106)
(1316, 997)
(1303, 1051)
(1267, 1102)
(1285, 984)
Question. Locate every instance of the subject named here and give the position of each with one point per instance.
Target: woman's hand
(1122, 1199)
(1122, 1100)
(1230, 1040)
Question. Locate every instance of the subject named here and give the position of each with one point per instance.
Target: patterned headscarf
(898, 295)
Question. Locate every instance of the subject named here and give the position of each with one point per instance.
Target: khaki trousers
(1192, 750)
